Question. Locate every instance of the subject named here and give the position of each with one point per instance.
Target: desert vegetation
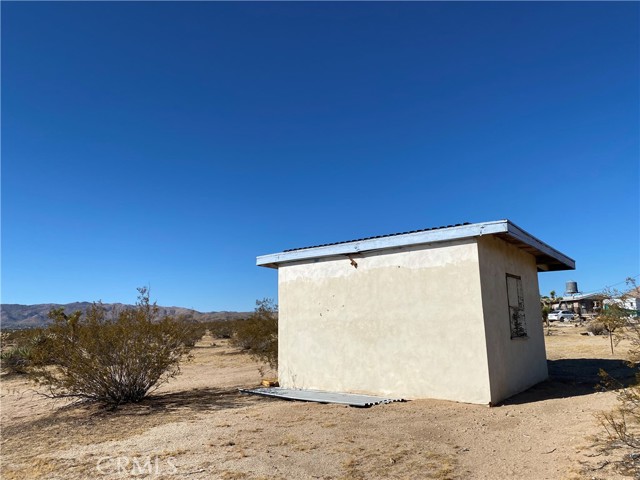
(200, 423)
(111, 358)
(622, 423)
(18, 349)
(119, 356)
(256, 335)
(554, 430)
(259, 333)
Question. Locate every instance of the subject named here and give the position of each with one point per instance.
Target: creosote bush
(112, 359)
(223, 329)
(259, 333)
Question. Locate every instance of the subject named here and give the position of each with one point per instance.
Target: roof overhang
(547, 257)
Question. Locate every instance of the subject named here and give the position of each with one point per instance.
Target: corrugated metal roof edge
(417, 237)
(377, 236)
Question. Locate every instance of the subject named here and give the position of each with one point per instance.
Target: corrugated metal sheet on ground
(352, 399)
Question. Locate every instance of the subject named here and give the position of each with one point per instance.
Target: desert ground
(199, 426)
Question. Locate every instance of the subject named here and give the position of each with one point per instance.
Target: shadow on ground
(94, 422)
(184, 401)
(200, 400)
(573, 377)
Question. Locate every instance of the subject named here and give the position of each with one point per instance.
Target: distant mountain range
(29, 316)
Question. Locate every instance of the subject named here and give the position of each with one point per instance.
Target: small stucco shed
(449, 313)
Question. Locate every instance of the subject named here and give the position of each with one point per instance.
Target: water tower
(571, 288)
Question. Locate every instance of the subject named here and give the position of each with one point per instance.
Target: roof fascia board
(523, 236)
(417, 238)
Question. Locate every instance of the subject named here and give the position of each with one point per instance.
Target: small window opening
(515, 297)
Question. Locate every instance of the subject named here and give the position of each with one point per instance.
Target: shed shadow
(573, 377)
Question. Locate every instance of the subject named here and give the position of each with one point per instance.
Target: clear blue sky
(171, 143)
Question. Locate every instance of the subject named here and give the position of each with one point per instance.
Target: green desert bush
(16, 359)
(223, 329)
(259, 333)
(18, 350)
(112, 359)
(193, 330)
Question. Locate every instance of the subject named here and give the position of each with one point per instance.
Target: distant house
(582, 303)
(630, 301)
(593, 303)
(450, 312)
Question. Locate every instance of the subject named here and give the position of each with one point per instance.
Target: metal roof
(547, 257)
(352, 399)
(582, 296)
(380, 236)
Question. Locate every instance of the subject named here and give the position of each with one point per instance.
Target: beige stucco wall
(407, 322)
(515, 364)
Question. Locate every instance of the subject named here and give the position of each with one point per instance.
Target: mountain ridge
(15, 315)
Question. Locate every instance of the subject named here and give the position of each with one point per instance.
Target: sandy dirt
(200, 427)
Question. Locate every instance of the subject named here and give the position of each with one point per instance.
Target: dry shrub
(111, 360)
(622, 424)
(597, 328)
(223, 329)
(259, 333)
(192, 330)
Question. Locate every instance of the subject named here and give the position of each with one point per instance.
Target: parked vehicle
(561, 315)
